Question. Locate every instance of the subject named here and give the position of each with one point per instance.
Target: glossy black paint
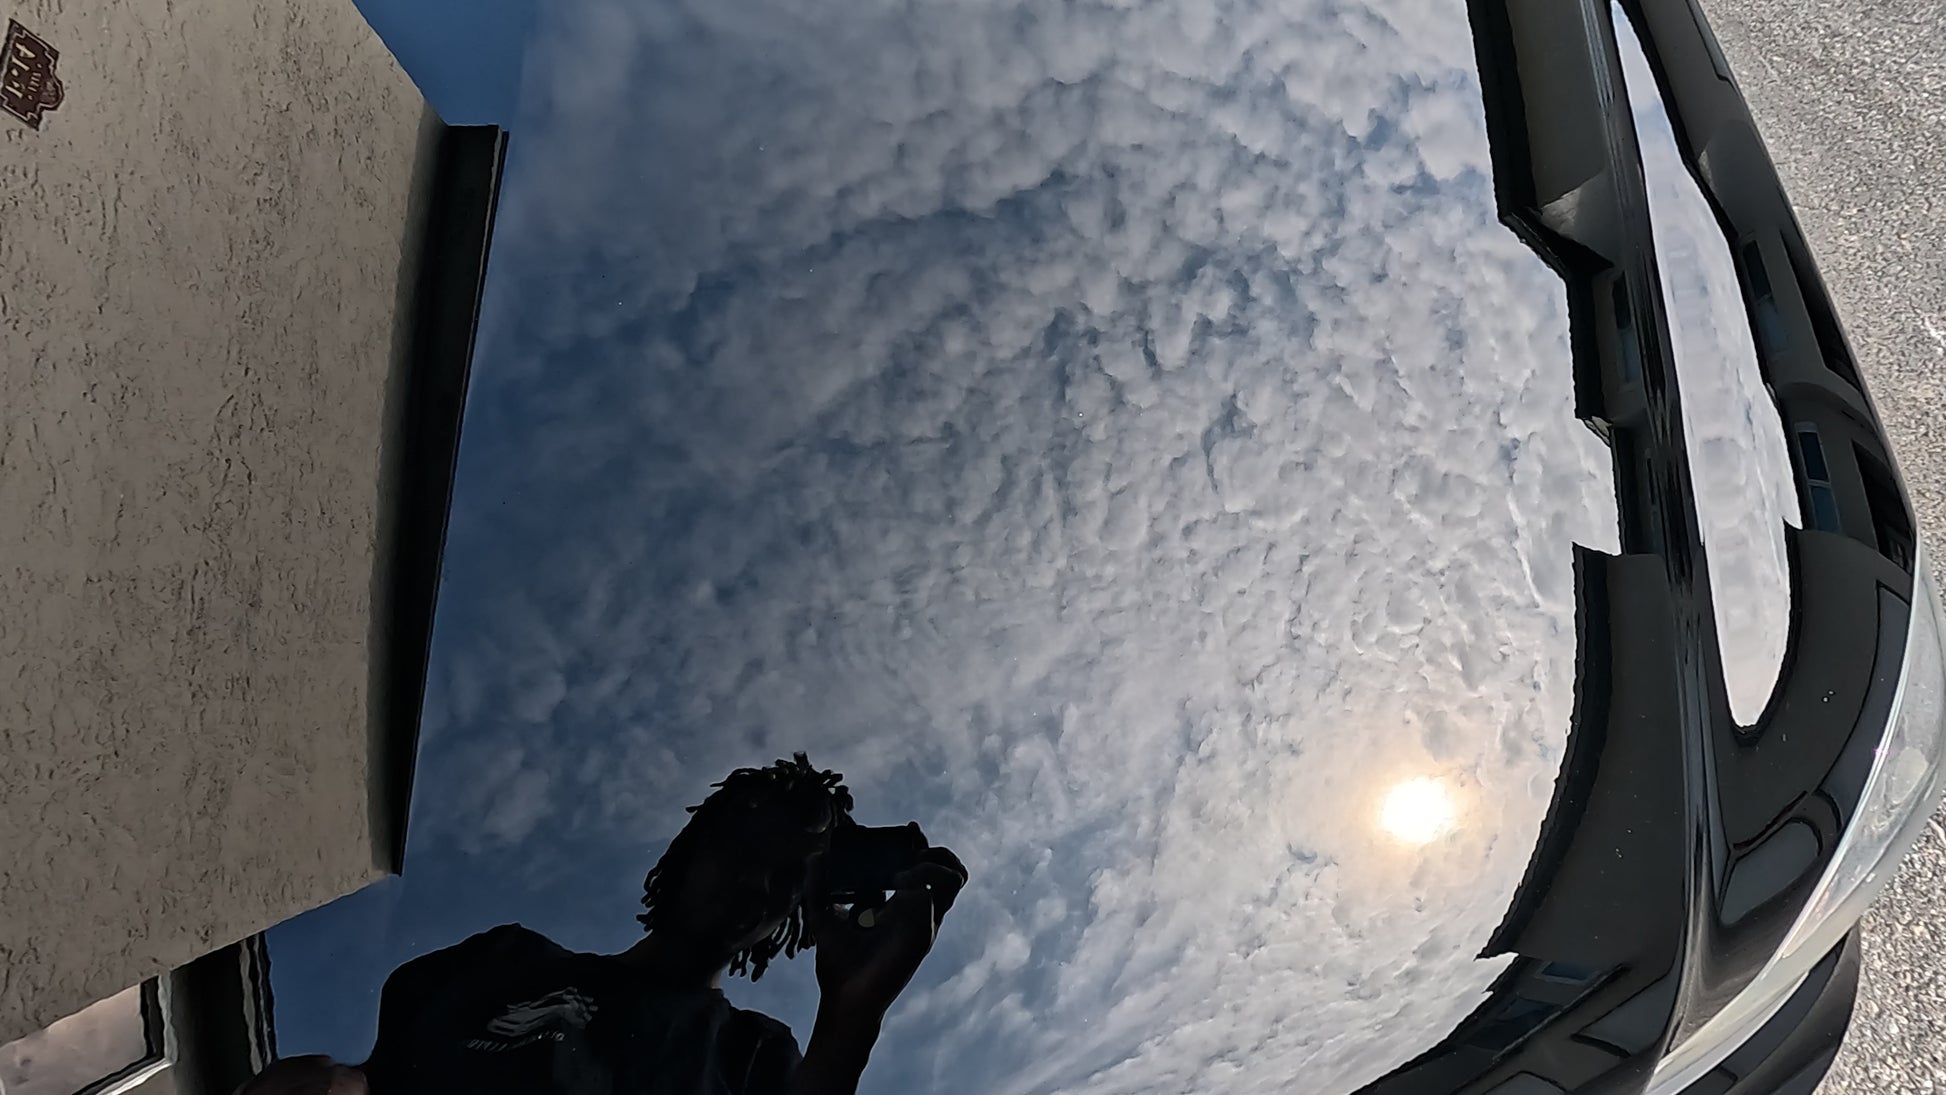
(1043, 498)
(1792, 1052)
(1798, 766)
(1764, 812)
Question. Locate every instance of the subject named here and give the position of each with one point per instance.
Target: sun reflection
(1418, 811)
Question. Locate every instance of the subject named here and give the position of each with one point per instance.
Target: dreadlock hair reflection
(791, 784)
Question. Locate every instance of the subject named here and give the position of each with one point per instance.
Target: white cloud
(1120, 436)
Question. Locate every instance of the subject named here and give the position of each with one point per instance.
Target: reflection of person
(509, 1010)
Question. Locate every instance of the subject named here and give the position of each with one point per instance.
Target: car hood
(1125, 440)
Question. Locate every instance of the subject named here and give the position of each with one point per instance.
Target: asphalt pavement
(1851, 97)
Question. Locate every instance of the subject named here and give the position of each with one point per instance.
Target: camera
(863, 860)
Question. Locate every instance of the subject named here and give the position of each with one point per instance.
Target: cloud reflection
(1745, 489)
(1107, 433)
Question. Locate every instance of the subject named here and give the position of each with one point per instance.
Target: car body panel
(1226, 470)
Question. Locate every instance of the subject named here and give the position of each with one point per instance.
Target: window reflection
(103, 1041)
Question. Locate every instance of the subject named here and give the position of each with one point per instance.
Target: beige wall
(199, 260)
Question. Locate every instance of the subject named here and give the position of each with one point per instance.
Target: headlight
(1898, 798)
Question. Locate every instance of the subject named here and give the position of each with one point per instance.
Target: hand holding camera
(868, 944)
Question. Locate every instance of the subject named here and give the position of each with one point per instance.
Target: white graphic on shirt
(547, 1018)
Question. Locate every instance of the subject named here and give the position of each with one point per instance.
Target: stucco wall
(200, 254)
